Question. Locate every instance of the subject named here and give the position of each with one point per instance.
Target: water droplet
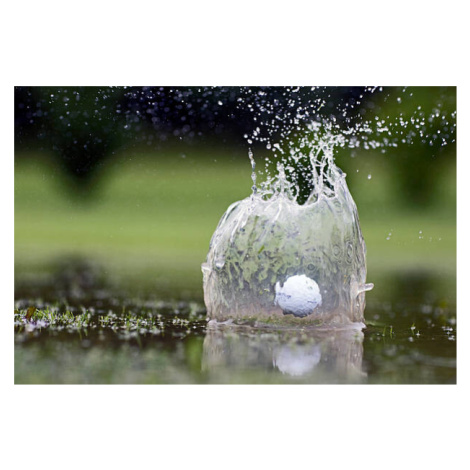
(365, 287)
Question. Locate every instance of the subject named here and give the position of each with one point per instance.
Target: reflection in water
(240, 353)
(299, 360)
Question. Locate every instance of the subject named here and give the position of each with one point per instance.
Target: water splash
(267, 243)
(285, 260)
(294, 250)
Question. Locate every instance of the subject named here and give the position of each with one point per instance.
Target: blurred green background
(150, 211)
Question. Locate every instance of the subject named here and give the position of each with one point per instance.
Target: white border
(210, 43)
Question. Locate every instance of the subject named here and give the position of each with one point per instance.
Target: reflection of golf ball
(298, 360)
(299, 296)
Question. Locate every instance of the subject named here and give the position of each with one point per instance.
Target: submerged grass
(161, 342)
(154, 321)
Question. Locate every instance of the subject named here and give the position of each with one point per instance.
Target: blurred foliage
(420, 159)
(84, 127)
(79, 125)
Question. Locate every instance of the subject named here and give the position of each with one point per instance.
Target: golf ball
(298, 296)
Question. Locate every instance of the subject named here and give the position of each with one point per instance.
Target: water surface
(101, 333)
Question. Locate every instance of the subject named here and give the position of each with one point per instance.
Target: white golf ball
(299, 296)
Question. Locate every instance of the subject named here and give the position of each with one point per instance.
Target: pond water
(102, 333)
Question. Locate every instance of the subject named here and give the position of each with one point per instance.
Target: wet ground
(75, 327)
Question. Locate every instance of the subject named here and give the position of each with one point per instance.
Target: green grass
(153, 217)
(139, 320)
